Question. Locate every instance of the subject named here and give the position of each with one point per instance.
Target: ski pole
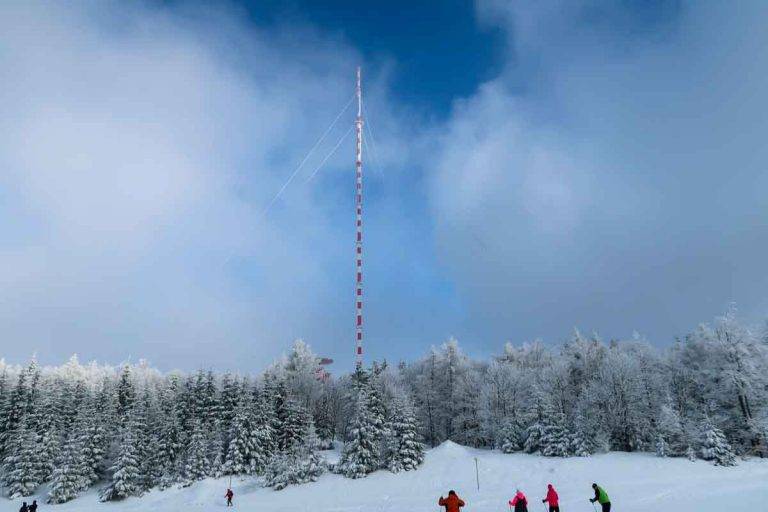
(477, 474)
(594, 507)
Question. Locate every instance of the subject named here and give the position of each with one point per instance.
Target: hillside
(635, 482)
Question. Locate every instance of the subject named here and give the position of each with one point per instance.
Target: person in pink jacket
(552, 498)
(520, 502)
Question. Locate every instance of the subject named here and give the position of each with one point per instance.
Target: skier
(552, 498)
(33, 506)
(24, 507)
(520, 502)
(229, 496)
(601, 497)
(452, 503)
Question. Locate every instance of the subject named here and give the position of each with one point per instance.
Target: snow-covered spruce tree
(533, 436)
(20, 468)
(196, 463)
(662, 448)
(262, 440)
(715, 447)
(240, 449)
(670, 439)
(294, 423)
(361, 454)
(70, 477)
(296, 460)
(302, 464)
(511, 436)
(43, 418)
(404, 452)
(555, 441)
(127, 478)
(216, 453)
(209, 405)
(326, 429)
(125, 394)
(169, 436)
(149, 441)
(229, 399)
(94, 439)
(20, 403)
(579, 445)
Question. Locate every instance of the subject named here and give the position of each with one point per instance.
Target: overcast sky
(531, 167)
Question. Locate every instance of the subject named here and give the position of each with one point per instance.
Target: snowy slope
(635, 482)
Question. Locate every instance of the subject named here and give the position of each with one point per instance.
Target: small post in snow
(477, 475)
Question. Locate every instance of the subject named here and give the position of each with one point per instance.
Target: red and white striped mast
(359, 217)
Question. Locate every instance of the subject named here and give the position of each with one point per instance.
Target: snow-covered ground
(635, 482)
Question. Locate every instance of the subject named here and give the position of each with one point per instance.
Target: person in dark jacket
(24, 507)
(520, 502)
(229, 497)
(601, 497)
(452, 503)
(33, 506)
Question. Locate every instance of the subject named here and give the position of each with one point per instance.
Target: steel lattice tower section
(359, 219)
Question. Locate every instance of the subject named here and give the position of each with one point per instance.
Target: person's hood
(520, 494)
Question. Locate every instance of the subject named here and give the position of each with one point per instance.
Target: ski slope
(635, 482)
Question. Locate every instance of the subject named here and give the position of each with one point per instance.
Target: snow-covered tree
(404, 452)
(61, 427)
(127, 478)
(511, 436)
(21, 471)
(241, 448)
(70, 477)
(715, 447)
(302, 464)
(556, 440)
(263, 436)
(169, 436)
(361, 454)
(293, 420)
(670, 437)
(196, 464)
(125, 393)
(94, 440)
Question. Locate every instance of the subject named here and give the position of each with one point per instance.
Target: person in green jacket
(601, 497)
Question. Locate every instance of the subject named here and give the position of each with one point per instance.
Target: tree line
(131, 428)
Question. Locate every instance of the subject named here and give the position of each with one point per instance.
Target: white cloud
(606, 178)
(139, 148)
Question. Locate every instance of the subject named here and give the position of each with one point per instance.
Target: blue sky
(532, 167)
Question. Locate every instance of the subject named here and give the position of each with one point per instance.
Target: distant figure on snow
(552, 498)
(452, 503)
(601, 497)
(33, 506)
(24, 507)
(229, 497)
(520, 502)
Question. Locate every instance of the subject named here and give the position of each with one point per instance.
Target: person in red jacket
(552, 498)
(520, 502)
(229, 497)
(452, 503)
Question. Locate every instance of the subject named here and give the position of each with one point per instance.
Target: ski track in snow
(635, 482)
